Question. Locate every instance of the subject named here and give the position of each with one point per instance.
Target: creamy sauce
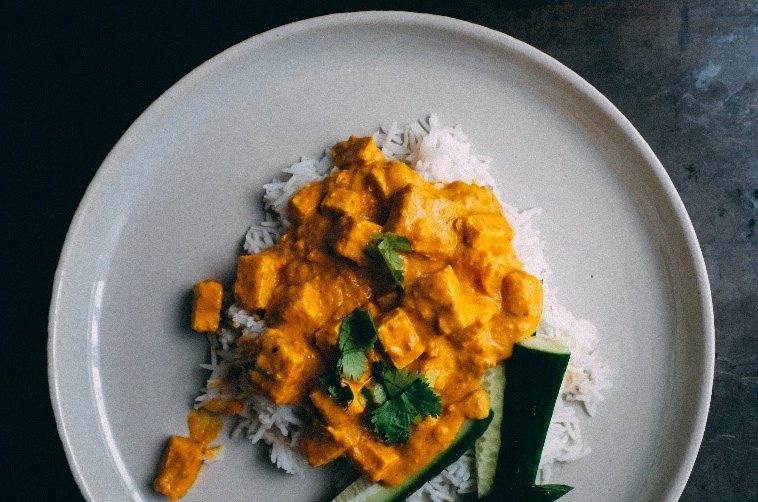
(466, 301)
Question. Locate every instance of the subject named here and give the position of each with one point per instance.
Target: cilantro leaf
(356, 337)
(391, 421)
(385, 246)
(407, 399)
(337, 390)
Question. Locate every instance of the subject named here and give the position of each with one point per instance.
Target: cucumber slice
(363, 490)
(535, 374)
(487, 447)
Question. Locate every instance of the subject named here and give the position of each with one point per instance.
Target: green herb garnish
(336, 389)
(385, 246)
(404, 398)
(357, 336)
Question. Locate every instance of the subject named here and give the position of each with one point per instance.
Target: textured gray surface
(686, 74)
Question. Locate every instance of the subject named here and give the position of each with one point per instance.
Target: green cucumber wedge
(363, 490)
(534, 373)
(487, 447)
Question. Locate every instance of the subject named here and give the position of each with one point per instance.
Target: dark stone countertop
(684, 72)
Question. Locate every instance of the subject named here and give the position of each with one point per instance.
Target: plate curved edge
(175, 92)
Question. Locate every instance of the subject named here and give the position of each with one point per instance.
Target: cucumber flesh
(535, 373)
(487, 447)
(363, 490)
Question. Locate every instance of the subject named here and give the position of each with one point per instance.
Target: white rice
(440, 154)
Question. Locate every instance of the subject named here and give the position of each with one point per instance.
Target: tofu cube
(257, 276)
(522, 294)
(486, 231)
(474, 198)
(179, 467)
(304, 203)
(282, 366)
(425, 220)
(300, 306)
(399, 338)
(206, 305)
(343, 202)
(353, 240)
(356, 152)
(387, 179)
(373, 458)
(346, 434)
(440, 296)
(319, 448)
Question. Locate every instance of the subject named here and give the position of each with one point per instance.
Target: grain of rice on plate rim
(440, 154)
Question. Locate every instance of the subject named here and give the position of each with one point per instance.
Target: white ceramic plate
(173, 199)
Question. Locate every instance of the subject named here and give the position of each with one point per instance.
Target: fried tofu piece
(474, 198)
(490, 232)
(304, 203)
(343, 202)
(522, 294)
(353, 240)
(179, 467)
(319, 447)
(300, 306)
(399, 338)
(283, 366)
(372, 458)
(356, 152)
(487, 248)
(440, 296)
(425, 220)
(206, 305)
(257, 277)
(387, 179)
(183, 456)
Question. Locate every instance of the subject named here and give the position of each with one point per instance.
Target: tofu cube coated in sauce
(486, 231)
(343, 201)
(373, 458)
(282, 366)
(257, 276)
(305, 202)
(208, 296)
(522, 294)
(353, 240)
(179, 467)
(356, 152)
(319, 447)
(424, 220)
(440, 296)
(301, 306)
(387, 179)
(399, 338)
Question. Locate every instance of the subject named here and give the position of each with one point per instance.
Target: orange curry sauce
(465, 302)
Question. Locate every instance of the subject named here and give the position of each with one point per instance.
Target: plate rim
(433, 21)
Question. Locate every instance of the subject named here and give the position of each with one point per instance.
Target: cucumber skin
(371, 492)
(534, 381)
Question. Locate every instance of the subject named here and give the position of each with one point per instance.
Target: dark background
(75, 76)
